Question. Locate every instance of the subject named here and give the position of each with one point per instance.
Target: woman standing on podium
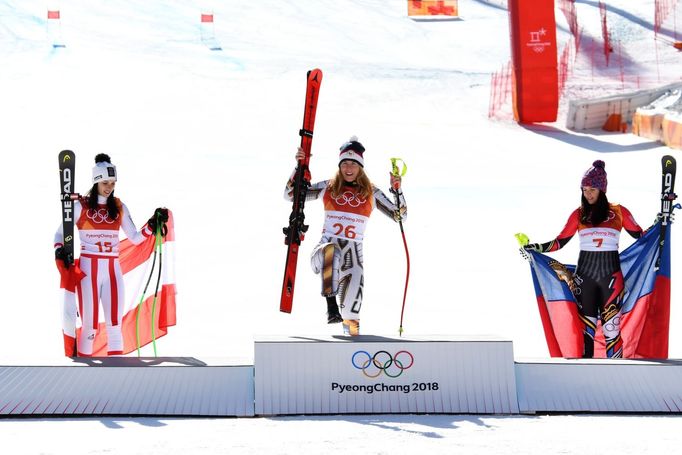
(349, 199)
(99, 216)
(598, 276)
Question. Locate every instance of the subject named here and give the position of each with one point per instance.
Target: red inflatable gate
(535, 82)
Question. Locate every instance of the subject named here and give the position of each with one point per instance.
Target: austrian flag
(146, 316)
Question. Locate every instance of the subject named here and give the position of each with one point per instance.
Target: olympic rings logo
(350, 199)
(382, 362)
(99, 216)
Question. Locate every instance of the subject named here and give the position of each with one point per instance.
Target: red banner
(207, 18)
(534, 58)
(53, 14)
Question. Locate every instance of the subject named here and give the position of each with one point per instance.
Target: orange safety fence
(605, 32)
(565, 65)
(663, 8)
(500, 90)
(568, 8)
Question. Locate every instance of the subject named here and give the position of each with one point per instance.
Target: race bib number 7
(599, 239)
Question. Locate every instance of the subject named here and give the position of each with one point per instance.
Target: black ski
(668, 197)
(67, 178)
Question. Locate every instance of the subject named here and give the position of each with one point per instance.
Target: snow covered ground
(385, 434)
(212, 134)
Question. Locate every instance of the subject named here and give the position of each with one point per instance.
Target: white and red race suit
(103, 281)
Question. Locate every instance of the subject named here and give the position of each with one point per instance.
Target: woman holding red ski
(349, 199)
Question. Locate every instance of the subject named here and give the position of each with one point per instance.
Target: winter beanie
(103, 169)
(595, 176)
(352, 150)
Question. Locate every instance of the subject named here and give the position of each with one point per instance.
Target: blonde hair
(364, 185)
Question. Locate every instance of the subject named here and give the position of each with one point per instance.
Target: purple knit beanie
(595, 177)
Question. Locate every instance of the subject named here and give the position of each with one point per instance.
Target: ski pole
(397, 172)
(157, 252)
(139, 305)
(157, 246)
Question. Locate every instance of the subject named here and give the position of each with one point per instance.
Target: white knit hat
(103, 171)
(352, 150)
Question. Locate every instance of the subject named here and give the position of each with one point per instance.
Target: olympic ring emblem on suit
(611, 215)
(350, 199)
(99, 216)
(382, 362)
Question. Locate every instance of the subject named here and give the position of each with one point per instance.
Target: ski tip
(315, 75)
(66, 155)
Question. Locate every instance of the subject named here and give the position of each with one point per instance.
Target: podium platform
(341, 375)
(163, 386)
(370, 374)
(599, 385)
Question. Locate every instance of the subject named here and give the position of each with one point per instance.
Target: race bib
(345, 225)
(599, 239)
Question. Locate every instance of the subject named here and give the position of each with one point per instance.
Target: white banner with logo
(370, 374)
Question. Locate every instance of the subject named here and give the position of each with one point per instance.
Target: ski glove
(160, 216)
(60, 255)
(529, 247)
(533, 247)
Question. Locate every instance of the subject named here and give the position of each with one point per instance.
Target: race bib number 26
(345, 225)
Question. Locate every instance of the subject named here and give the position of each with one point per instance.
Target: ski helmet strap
(396, 170)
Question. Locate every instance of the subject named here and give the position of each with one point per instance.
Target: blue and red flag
(645, 317)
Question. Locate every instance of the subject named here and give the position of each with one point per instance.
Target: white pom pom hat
(103, 171)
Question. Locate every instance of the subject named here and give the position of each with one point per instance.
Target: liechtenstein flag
(646, 305)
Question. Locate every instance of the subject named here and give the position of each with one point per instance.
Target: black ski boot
(588, 347)
(333, 315)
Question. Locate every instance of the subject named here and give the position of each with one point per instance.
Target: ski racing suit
(598, 278)
(338, 256)
(99, 262)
